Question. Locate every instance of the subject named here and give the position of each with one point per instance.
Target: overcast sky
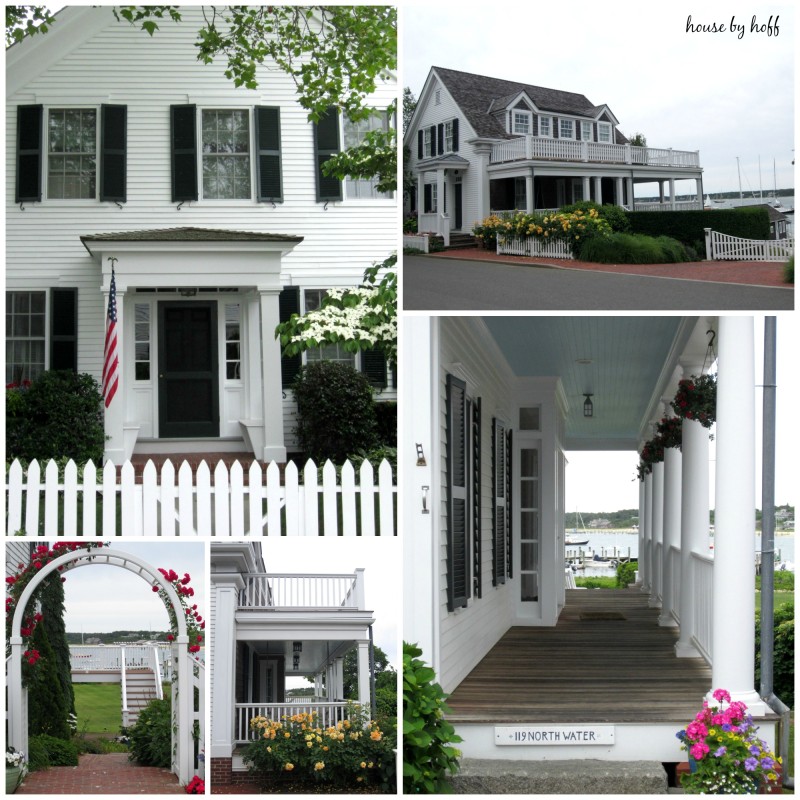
(605, 481)
(714, 92)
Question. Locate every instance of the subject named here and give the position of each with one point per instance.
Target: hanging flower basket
(652, 453)
(669, 431)
(696, 399)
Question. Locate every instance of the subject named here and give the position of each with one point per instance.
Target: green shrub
(58, 752)
(596, 583)
(375, 456)
(427, 753)
(626, 573)
(750, 222)
(37, 754)
(628, 248)
(788, 271)
(410, 224)
(335, 411)
(151, 736)
(60, 415)
(782, 580)
(783, 653)
(386, 420)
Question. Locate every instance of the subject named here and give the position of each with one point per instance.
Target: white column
(598, 190)
(483, 154)
(587, 187)
(363, 674)
(620, 192)
(420, 195)
(274, 447)
(641, 533)
(694, 526)
(647, 561)
(672, 193)
(254, 380)
(338, 667)
(699, 184)
(440, 198)
(661, 191)
(629, 181)
(658, 535)
(529, 194)
(114, 415)
(733, 601)
(672, 532)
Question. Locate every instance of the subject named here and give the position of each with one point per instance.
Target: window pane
(72, 144)
(354, 133)
(226, 160)
(142, 371)
(529, 419)
(530, 588)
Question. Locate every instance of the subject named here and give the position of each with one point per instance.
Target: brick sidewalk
(750, 273)
(110, 773)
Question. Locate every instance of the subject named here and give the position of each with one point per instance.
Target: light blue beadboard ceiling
(627, 357)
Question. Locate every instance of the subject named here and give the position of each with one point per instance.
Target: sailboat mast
(760, 190)
(739, 173)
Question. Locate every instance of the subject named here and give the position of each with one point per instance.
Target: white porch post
(440, 203)
(114, 415)
(694, 525)
(657, 560)
(629, 181)
(733, 600)
(620, 192)
(598, 190)
(420, 195)
(647, 561)
(529, 206)
(254, 380)
(483, 154)
(672, 533)
(363, 674)
(274, 447)
(661, 192)
(699, 192)
(672, 193)
(641, 532)
(338, 668)
(587, 187)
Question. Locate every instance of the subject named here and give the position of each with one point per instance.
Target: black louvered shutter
(440, 138)
(476, 497)
(184, 152)
(499, 507)
(509, 473)
(64, 329)
(458, 576)
(455, 135)
(268, 165)
(326, 144)
(432, 129)
(288, 304)
(420, 144)
(426, 209)
(373, 365)
(29, 154)
(113, 153)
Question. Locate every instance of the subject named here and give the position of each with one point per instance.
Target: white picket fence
(722, 247)
(182, 503)
(533, 246)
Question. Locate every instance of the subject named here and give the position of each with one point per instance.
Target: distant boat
(575, 542)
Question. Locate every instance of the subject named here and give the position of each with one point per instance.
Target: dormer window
(566, 129)
(545, 128)
(603, 132)
(521, 123)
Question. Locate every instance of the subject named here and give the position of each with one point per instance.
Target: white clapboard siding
(180, 503)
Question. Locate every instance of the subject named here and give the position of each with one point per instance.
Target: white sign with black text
(554, 734)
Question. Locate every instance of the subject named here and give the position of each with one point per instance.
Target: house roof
(190, 235)
(478, 96)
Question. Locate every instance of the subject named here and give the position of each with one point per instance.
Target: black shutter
(326, 144)
(373, 365)
(420, 144)
(441, 139)
(499, 504)
(288, 304)
(29, 154)
(64, 329)
(556, 132)
(458, 576)
(476, 497)
(455, 135)
(184, 152)
(426, 209)
(432, 129)
(509, 473)
(113, 153)
(268, 164)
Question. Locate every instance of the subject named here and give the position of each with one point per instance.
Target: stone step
(585, 777)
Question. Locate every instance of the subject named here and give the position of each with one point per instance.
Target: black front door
(188, 376)
(458, 207)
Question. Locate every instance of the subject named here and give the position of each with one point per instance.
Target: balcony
(529, 148)
(295, 592)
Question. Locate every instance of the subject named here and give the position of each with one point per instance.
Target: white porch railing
(702, 582)
(722, 247)
(533, 246)
(534, 147)
(303, 591)
(674, 557)
(328, 714)
(677, 205)
(189, 503)
(109, 658)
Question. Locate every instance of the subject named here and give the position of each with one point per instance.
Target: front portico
(199, 363)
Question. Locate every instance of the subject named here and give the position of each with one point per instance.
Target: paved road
(455, 285)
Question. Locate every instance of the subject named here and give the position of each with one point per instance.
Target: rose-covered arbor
(182, 742)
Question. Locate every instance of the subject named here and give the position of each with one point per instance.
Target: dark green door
(188, 375)
(458, 204)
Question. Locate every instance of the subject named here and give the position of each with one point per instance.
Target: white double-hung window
(448, 136)
(522, 123)
(586, 131)
(603, 131)
(545, 127)
(566, 129)
(72, 153)
(355, 133)
(226, 154)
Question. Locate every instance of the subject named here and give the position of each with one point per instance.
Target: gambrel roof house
(268, 627)
(208, 201)
(480, 145)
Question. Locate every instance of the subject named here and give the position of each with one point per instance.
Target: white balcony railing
(703, 588)
(327, 714)
(303, 591)
(537, 148)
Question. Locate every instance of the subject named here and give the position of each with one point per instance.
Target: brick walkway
(110, 773)
(750, 273)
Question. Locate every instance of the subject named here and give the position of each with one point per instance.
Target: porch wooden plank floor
(588, 671)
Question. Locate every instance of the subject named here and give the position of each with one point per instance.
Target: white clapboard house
(479, 145)
(267, 628)
(124, 150)
(537, 670)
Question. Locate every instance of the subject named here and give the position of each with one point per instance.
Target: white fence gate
(106, 502)
(722, 247)
(533, 246)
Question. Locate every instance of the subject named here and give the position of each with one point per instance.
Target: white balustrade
(328, 714)
(703, 585)
(302, 591)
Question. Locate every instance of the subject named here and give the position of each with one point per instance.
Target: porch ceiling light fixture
(188, 292)
(297, 647)
(296, 661)
(588, 407)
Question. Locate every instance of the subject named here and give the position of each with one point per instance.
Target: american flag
(111, 359)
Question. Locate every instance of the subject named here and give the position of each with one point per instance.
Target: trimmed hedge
(750, 222)
(628, 248)
(50, 751)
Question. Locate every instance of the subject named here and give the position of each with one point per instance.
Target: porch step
(495, 776)
(460, 241)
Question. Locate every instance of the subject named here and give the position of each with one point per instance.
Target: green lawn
(781, 599)
(99, 707)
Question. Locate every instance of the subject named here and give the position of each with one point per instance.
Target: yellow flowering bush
(352, 751)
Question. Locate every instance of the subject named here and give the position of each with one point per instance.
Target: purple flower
(727, 727)
(721, 752)
(767, 762)
(754, 749)
(750, 764)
